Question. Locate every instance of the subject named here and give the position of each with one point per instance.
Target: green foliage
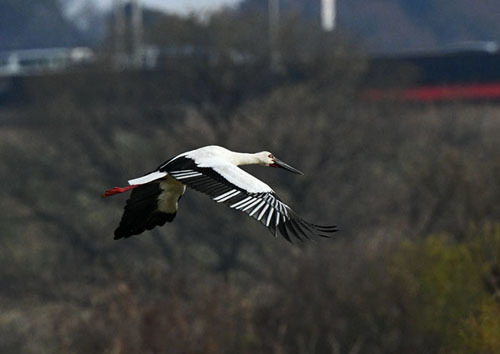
(442, 284)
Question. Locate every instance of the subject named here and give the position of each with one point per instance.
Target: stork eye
(271, 156)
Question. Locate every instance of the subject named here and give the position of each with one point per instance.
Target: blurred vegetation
(415, 191)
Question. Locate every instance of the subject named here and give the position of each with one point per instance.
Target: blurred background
(390, 107)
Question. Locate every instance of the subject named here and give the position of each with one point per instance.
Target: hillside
(399, 25)
(414, 191)
(381, 26)
(34, 24)
(413, 188)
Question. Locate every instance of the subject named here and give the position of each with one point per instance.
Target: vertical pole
(328, 14)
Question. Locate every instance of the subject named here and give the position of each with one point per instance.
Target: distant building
(468, 71)
(42, 61)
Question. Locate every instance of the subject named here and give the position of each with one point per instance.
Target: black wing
(265, 207)
(141, 212)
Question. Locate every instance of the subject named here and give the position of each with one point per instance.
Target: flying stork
(212, 170)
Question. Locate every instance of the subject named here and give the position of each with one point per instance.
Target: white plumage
(150, 177)
(212, 170)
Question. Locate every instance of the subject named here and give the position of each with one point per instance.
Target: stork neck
(240, 158)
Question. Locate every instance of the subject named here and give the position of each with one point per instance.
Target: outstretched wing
(228, 184)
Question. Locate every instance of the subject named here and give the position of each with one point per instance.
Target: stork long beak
(281, 164)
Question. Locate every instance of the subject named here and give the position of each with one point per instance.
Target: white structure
(41, 61)
(328, 14)
(212, 170)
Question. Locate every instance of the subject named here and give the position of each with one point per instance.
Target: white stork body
(223, 161)
(212, 170)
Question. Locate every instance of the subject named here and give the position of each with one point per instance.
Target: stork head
(268, 159)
